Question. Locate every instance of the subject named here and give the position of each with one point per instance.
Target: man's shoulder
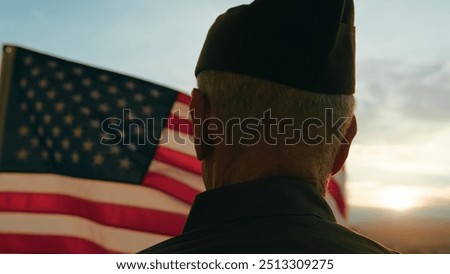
(281, 234)
(348, 241)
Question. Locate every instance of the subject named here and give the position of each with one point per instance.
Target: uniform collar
(271, 196)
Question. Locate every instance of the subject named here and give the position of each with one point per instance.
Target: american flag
(92, 161)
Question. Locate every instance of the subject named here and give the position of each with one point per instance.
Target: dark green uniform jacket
(271, 215)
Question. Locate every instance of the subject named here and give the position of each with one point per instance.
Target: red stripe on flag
(24, 243)
(170, 186)
(165, 223)
(179, 160)
(180, 124)
(335, 191)
(183, 98)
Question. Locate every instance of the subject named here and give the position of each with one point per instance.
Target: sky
(400, 159)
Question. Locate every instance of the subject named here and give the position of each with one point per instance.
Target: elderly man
(273, 117)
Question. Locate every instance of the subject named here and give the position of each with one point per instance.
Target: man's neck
(225, 167)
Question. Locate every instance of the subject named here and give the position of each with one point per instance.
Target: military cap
(306, 44)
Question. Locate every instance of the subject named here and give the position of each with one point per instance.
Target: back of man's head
(284, 72)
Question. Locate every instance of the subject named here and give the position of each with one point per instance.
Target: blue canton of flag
(54, 115)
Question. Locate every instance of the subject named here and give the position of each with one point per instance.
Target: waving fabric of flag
(92, 161)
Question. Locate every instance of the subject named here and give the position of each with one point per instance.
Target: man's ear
(199, 111)
(342, 154)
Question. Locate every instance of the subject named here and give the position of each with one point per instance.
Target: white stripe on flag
(193, 180)
(178, 141)
(93, 190)
(111, 238)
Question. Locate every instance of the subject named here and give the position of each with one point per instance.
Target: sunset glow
(395, 197)
(399, 198)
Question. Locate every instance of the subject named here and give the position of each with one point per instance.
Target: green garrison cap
(306, 44)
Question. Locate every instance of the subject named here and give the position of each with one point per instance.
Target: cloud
(421, 92)
(400, 102)
(404, 130)
(427, 157)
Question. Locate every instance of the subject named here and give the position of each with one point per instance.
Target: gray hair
(234, 95)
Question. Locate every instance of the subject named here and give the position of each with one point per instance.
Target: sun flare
(400, 198)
